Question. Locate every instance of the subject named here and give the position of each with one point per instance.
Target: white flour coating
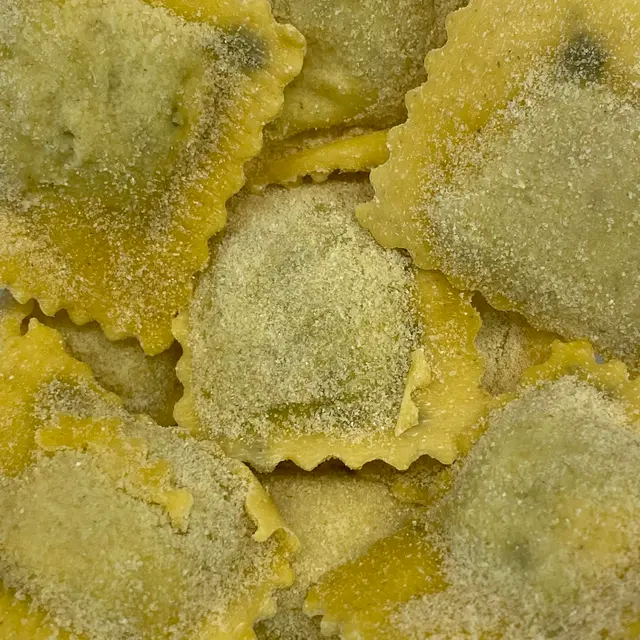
(301, 319)
(101, 96)
(111, 113)
(133, 575)
(547, 212)
(540, 532)
(337, 515)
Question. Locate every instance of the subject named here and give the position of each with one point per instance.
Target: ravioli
(306, 340)
(537, 535)
(515, 171)
(362, 57)
(421, 484)
(188, 544)
(337, 515)
(123, 130)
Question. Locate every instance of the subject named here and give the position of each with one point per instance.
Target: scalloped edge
(247, 610)
(332, 471)
(574, 358)
(345, 154)
(442, 118)
(17, 617)
(162, 412)
(257, 103)
(322, 104)
(433, 106)
(450, 325)
(12, 315)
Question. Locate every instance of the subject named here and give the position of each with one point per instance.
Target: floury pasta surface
(114, 527)
(125, 126)
(526, 190)
(304, 336)
(306, 340)
(533, 534)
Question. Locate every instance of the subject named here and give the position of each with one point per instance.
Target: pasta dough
(535, 534)
(123, 130)
(514, 174)
(145, 384)
(306, 340)
(337, 515)
(186, 541)
(509, 346)
(362, 57)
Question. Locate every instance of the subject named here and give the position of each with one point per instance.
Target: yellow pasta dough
(145, 384)
(537, 535)
(515, 171)
(317, 156)
(416, 365)
(12, 316)
(306, 340)
(113, 527)
(362, 57)
(123, 130)
(337, 515)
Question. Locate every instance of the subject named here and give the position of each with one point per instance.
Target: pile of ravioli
(319, 318)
